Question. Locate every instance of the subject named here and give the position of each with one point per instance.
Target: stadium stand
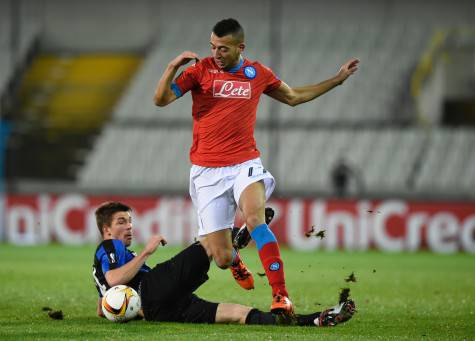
(383, 158)
(158, 164)
(387, 37)
(384, 161)
(15, 39)
(370, 122)
(75, 92)
(64, 99)
(449, 165)
(359, 122)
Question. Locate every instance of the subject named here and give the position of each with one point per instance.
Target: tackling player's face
(120, 228)
(226, 51)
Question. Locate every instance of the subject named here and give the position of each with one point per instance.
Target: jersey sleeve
(129, 255)
(186, 81)
(113, 255)
(273, 82)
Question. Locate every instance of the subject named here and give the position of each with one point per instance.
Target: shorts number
(256, 171)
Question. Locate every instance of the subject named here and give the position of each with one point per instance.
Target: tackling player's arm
(164, 95)
(298, 95)
(126, 272)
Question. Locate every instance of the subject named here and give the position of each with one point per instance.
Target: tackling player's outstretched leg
(167, 289)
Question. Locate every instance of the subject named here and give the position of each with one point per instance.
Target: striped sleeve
(111, 255)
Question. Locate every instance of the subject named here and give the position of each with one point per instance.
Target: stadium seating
(366, 122)
(313, 48)
(15, 45)
(388, 39)
(142, 159)
(389, 161)
(75, 92)
(138, 158)
(449, 165)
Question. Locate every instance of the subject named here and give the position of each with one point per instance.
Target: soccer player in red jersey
(226, 169)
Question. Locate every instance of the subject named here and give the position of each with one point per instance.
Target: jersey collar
(237, 67)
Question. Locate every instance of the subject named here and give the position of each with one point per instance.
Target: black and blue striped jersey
(112, 254)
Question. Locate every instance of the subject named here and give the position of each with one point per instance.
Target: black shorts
(167, 290)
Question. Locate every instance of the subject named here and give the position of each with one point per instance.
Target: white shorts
(215, 192)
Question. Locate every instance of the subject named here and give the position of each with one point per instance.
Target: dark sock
(256, 316)
(306, 319)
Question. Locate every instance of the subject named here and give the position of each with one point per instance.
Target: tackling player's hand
(153, 243)
(184, 58)
(99, 308)
(347, 69)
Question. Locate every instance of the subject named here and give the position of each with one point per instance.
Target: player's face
(120, 228)
(226, 51)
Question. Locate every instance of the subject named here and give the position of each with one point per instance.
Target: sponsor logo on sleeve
(231, 89)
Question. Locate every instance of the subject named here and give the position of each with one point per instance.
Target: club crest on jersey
(231, 89)
(250, 72)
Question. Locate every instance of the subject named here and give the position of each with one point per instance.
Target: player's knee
(207, 247)
(253, 220)
(223, 258)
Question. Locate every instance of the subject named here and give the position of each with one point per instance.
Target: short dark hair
(229, 26)
(105, 212)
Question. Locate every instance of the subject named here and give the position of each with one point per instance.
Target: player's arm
(126, 272)
(164, 94)
(298, 95)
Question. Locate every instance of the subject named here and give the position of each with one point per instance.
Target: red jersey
(224, 109)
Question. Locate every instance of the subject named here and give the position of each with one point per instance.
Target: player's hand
(99, 308)
(153, 243)
(184, 58)
(347, 69)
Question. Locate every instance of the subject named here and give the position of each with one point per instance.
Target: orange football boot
(282, 305)
(242, 275)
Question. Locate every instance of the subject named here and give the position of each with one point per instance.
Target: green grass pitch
(418, 296)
